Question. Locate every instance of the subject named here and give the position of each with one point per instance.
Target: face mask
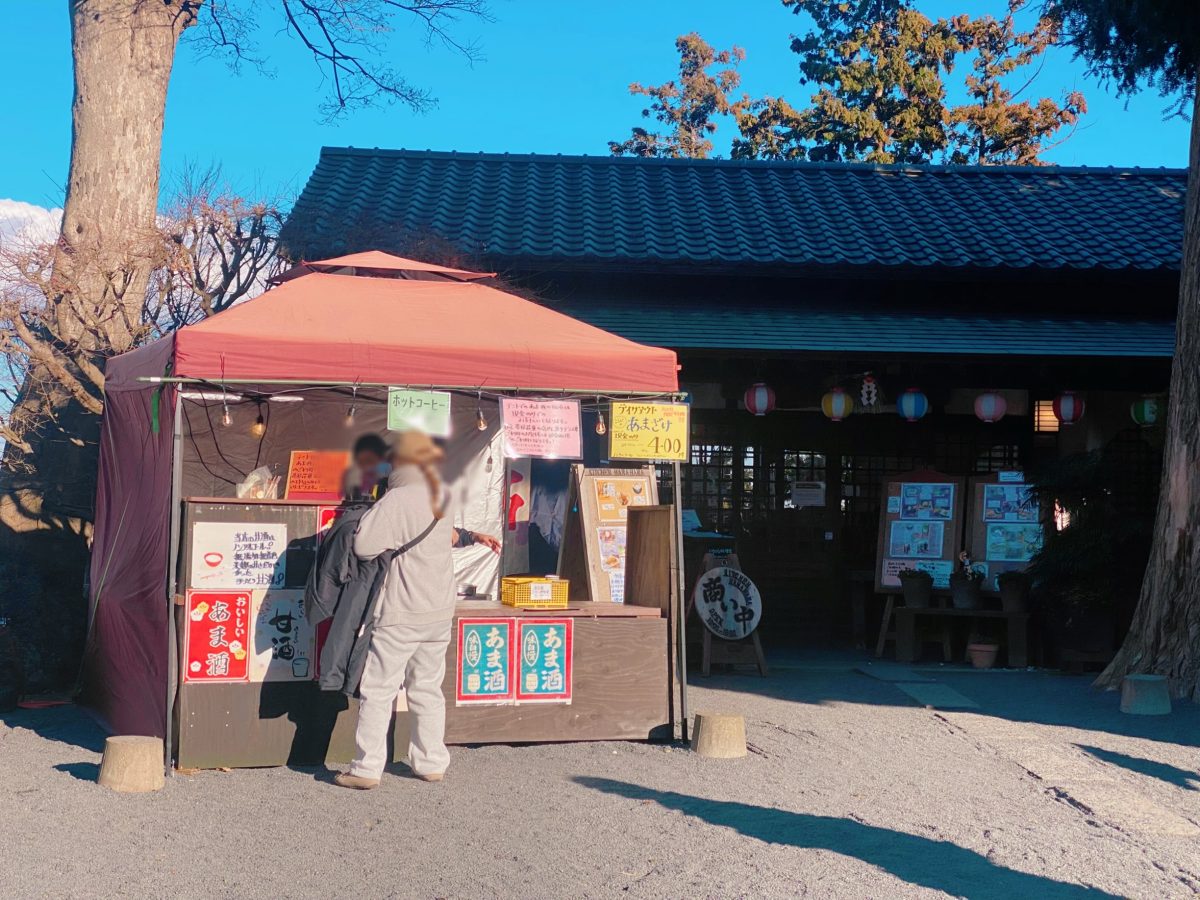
(383, 469)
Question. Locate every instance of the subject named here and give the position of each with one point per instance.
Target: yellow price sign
(649, 431)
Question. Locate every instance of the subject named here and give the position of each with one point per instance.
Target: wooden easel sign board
(592, 555)
(920, 527)
(1004, 525)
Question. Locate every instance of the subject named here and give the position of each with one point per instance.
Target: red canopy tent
(361, 320)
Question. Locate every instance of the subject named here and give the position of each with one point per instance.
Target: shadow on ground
(1188, 780)
(938, 865)
(66, 724)
(1040, 697)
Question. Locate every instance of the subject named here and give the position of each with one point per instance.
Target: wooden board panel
(891, 515)
(596, 524)
(620, 692)
(978, 527)
(300, 518)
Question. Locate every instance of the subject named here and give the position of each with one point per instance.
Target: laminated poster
(1009, 503)
(614, 496)
(282, 639)
(228, 555)
(485, 662)
(216, 636)
(545, 658)
(1012, 542)
(916, 540)
(927, 502)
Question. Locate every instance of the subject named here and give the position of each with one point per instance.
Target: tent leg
(173, 578)
(681, 601)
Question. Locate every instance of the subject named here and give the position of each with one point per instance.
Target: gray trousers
(412, 657)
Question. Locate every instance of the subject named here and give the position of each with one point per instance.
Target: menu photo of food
(927, 501)
(916, 540)
(1013, 542)
(1009, 503)
(612, 548)
(614, 496)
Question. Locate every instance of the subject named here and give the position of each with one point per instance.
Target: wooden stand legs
(745, 652)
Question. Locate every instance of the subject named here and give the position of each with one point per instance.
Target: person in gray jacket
(413, 617)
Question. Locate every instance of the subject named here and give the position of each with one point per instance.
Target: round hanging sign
(728, 603)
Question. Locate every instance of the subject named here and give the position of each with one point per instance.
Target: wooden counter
(621, 680)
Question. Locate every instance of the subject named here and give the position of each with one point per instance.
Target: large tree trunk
(123, 51)
(1165, 635)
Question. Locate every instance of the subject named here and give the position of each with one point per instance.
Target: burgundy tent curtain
(125, 659)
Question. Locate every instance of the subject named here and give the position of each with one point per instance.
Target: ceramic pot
(964, 592)
(982, 656)
(1014, 596)
(918, 592)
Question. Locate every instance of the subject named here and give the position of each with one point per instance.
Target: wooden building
(805, 278)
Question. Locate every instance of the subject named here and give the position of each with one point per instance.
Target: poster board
(920, 527)
(541, 429)
(595, 533)
(1004, 525)
(643, 430)
(316, 474)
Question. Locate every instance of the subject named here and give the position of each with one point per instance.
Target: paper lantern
(990, 407)
(1144, 411)
(912, 405)
(759, 399)
(1068, 408)
(837, 405)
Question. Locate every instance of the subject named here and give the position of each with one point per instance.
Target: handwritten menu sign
(649, 431)
(316, 474)
(229, 555)
(543, 429)
(282, 640)
(485, 662)
(427, 411)
(216, 636)
(544, 668)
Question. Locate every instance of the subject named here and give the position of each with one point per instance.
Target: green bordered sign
(427, 411)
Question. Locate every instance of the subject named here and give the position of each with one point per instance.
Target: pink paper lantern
(990, 407)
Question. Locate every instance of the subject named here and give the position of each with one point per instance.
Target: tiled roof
(559, 211)
(685, 327)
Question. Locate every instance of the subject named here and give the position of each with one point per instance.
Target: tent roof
(323, 327)
(380, 264)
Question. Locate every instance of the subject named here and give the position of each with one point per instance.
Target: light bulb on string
(480, 421)
(226, 416)
(259, 428)
(349, 421)
(601, 426)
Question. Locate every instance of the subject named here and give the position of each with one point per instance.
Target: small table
(907, 648)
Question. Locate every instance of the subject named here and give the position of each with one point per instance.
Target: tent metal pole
(468, 388)
(173, 576)
(681, 612)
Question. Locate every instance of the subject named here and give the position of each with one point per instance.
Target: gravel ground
(851, 790)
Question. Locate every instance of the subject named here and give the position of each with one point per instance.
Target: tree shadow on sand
(938, 865)
(1188, 780)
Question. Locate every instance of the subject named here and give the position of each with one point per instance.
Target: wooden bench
(908, 649)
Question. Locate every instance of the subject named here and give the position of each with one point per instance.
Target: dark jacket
(346, 588)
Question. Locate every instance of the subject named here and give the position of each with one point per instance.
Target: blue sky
(553, 80)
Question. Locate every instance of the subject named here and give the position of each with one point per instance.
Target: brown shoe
(355, 782)
(432, 776)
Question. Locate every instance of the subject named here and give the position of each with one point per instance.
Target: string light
(601, 427)
(259, 428)
(352, 410)
(480, 421)
(226, 416)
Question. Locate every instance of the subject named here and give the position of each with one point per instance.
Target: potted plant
(965, 584)
(1014, 591)
(982, 651)
(917, 587)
